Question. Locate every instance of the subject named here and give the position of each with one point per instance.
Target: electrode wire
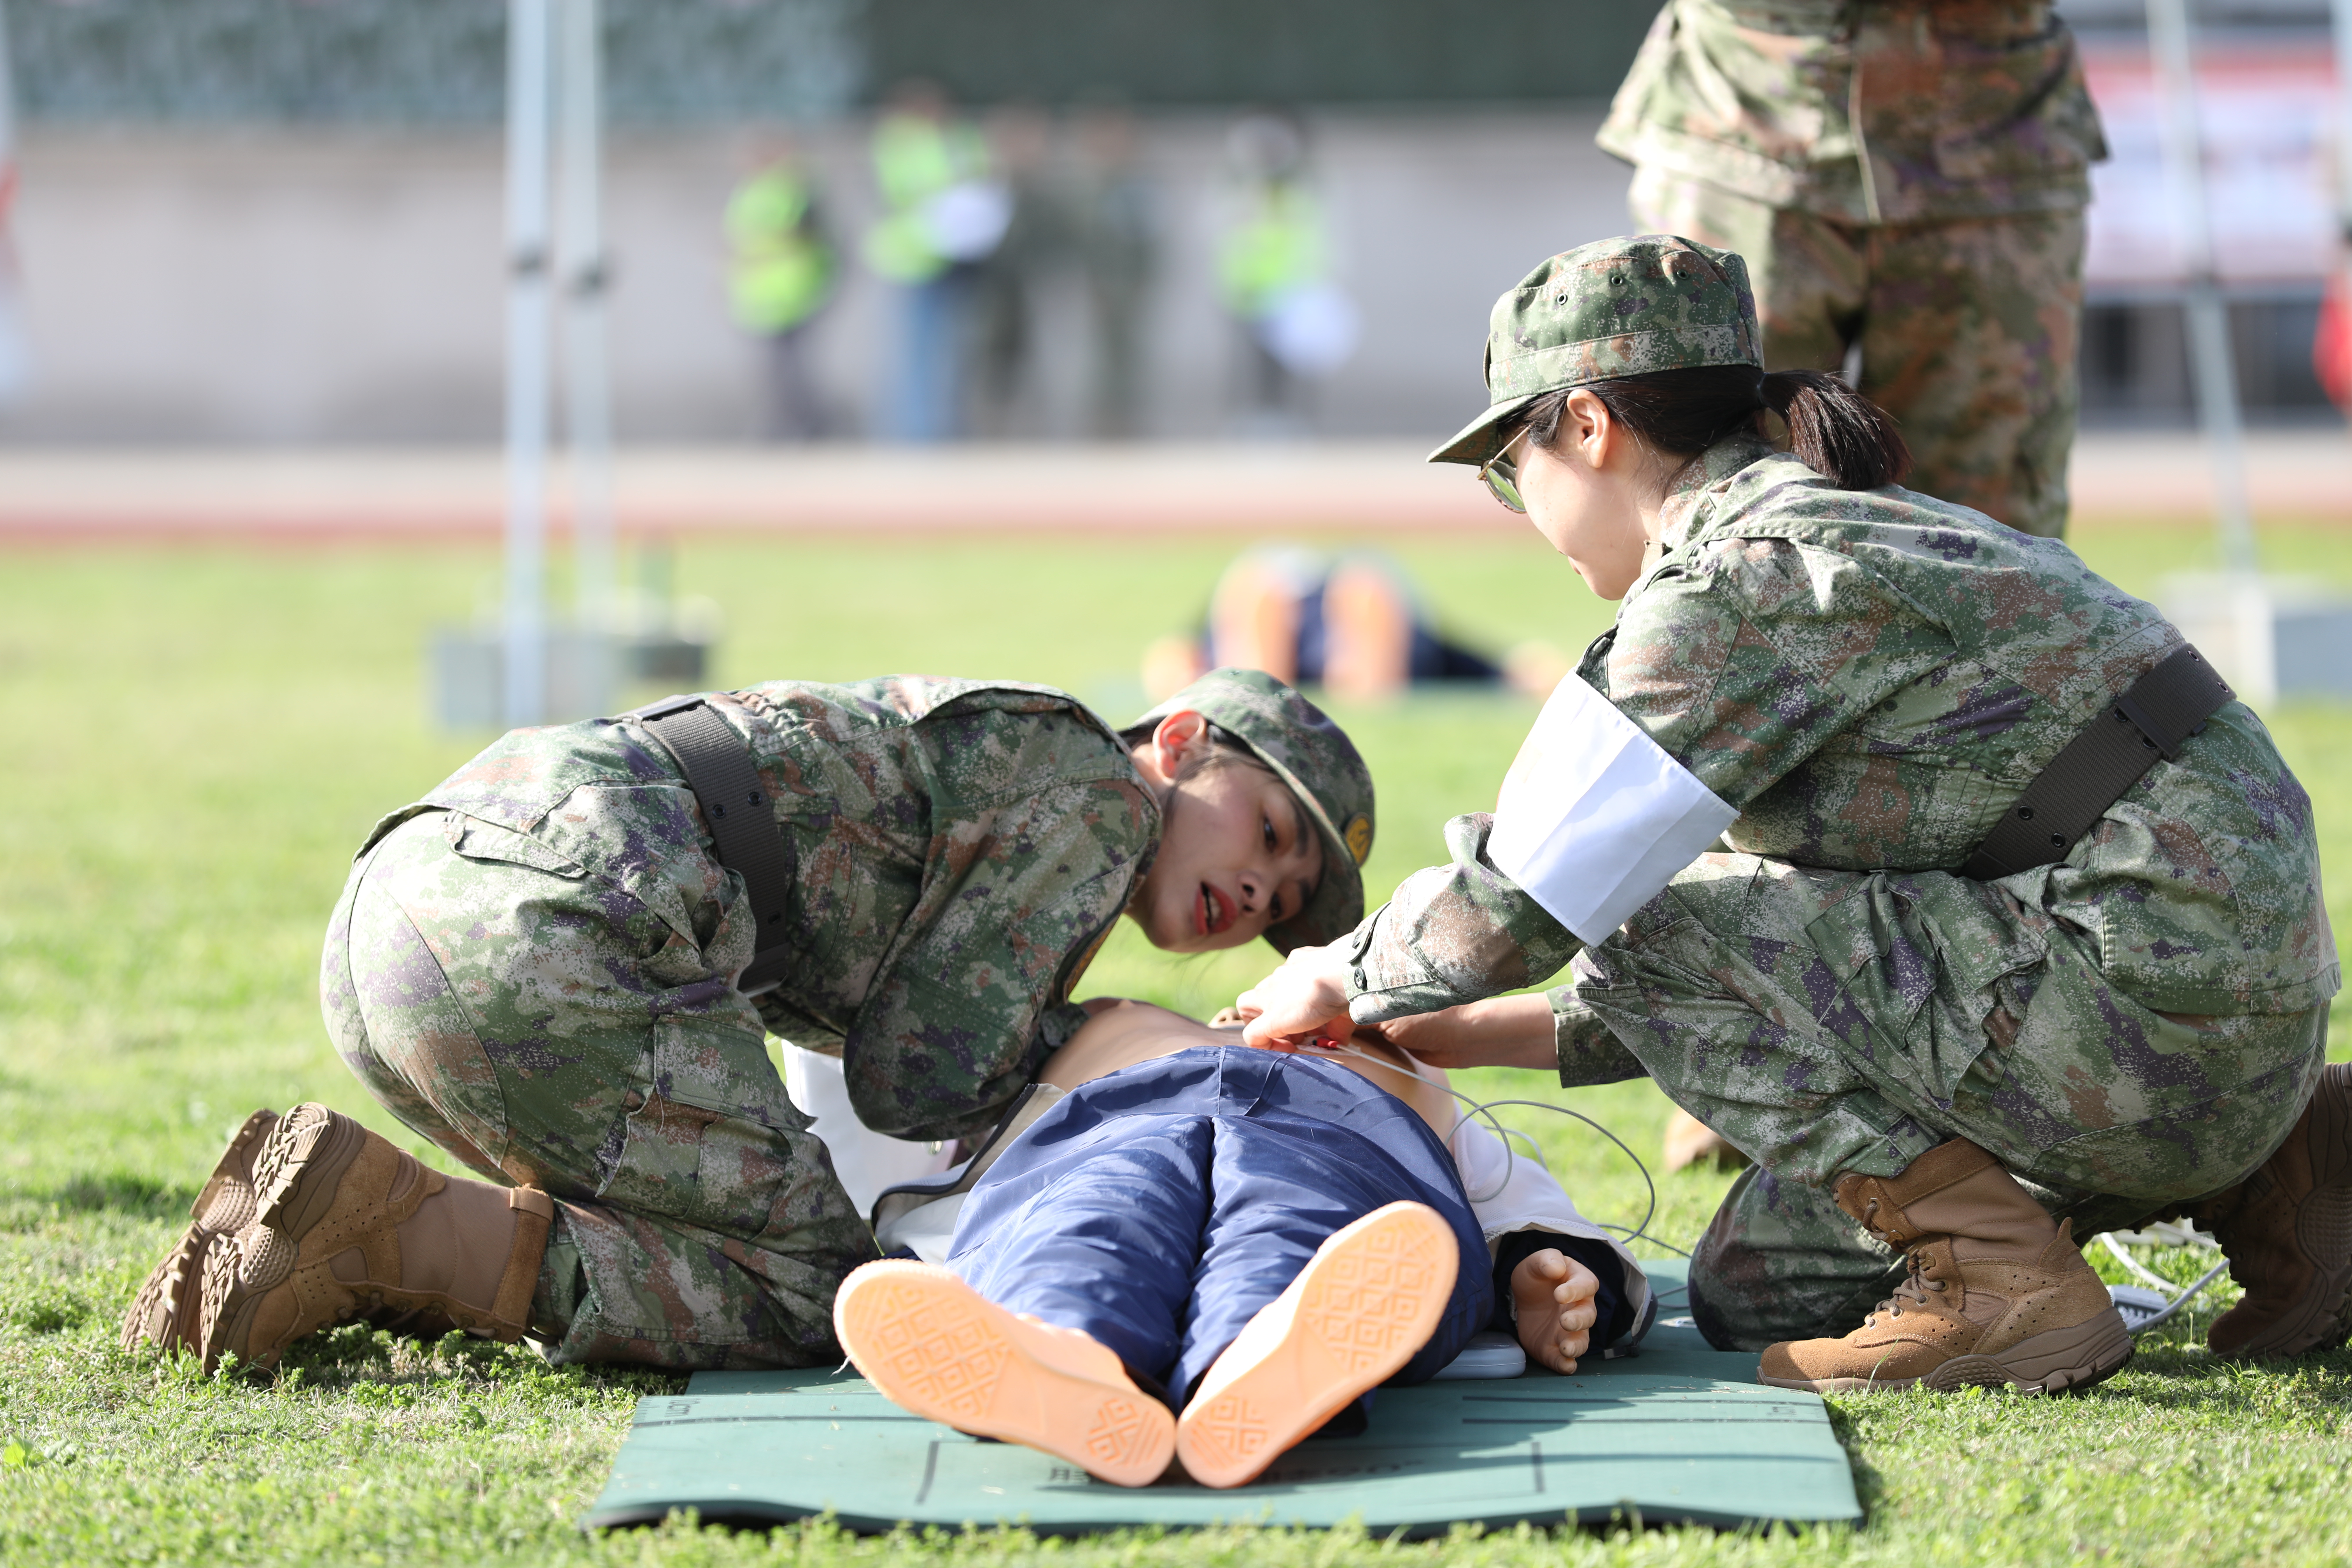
(2148, 1276)
(2160, 1283)
(1486, 1109)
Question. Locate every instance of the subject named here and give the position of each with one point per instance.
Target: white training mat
(1595, 818)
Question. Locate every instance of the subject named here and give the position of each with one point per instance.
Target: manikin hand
(1306, 997)
(1553, 1294)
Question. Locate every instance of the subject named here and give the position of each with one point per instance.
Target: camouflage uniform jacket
(1872, 678)
(1864, 110)
(960, 849)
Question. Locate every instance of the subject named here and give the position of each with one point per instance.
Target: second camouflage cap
(1312, 755)
(1616, 307)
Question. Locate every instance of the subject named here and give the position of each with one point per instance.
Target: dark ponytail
(1833, 429)
(1836, 431)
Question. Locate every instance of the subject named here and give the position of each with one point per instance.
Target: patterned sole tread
(160, 1312)
(1369, 1299)
(936, 1347)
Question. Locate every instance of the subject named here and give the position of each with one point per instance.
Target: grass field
(202, 736)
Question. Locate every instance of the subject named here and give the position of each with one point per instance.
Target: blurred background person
(1274, 275)
(786, 270)
(943, 214)
(2331, 344)
(1002, 394)
(1350, 621)
(1114, 224)
(1906, 180)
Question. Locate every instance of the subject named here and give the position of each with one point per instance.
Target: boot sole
(2323, 1230)
(2066, 1361)
(294, 1178)
(935, 1346)
(1365, 1303)
(160, 1311)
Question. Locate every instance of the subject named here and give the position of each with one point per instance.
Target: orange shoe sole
(1366, 1302)
(935, 1346)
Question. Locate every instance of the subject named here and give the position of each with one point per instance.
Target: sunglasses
(1500, 474)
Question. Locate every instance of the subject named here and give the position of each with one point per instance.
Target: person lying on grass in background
(548, 968)
(1353, 623)
(1179, 1246)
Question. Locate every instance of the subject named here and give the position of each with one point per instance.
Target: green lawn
(204, 735)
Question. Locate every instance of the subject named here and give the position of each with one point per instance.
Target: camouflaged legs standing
(533, 1020)
(1828, 1022)
(1968, 327)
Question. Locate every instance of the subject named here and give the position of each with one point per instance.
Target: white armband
(1595, 818)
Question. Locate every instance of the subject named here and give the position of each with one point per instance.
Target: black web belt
(2163, 707)
(719, 768)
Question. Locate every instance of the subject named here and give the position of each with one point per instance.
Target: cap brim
(1482, 437)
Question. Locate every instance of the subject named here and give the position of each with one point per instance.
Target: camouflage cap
(1616, 307)
(1313, 756)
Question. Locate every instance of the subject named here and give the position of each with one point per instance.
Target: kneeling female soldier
(2014, 918)
(561, 965)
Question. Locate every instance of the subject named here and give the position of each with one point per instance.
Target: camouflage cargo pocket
(698, 1167)
(1922, 956)
(713, 1141)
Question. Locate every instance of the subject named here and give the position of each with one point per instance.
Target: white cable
(2148, 1276)
(2182, 1299)
(1486, 1109)
(1504, 1136)
(1535, 1150)
(1501, 1135)
(2162, 1285)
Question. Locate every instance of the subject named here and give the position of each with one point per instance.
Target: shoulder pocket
(479, 840)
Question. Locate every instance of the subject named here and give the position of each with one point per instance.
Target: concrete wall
(326, 286)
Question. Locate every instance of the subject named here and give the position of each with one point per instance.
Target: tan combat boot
(163, 1313)
(1996, 1292)
(2287, 1233)
(346, 1226)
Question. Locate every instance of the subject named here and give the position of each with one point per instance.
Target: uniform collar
(1688, 508)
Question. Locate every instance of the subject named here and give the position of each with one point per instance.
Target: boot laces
(1915, 1288)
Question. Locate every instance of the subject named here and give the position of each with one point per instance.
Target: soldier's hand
(1507, 1031)
(1305, 999)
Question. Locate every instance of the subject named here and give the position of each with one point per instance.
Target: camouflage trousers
(1968, 329)
(511, 1010)
(1826, 1022)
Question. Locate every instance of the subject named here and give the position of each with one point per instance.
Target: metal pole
(527, 360)
(580, 266)
(15, 358)
(2343, 10)
(7, 98)
(2210, 364)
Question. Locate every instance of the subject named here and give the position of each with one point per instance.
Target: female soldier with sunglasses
(2014, 925)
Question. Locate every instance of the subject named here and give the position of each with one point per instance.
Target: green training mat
(1680, 1432)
